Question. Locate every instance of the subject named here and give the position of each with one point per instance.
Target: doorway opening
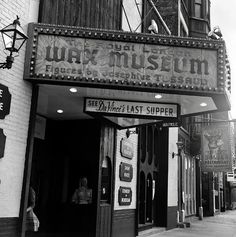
(148, 177)
(69, 152)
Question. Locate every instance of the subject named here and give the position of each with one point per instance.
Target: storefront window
(131, 15)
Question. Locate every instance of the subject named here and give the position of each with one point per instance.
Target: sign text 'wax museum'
(104, 59)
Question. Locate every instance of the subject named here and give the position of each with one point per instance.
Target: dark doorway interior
(69, 151)
(152, 199)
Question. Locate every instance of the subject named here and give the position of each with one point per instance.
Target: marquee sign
(117, 59)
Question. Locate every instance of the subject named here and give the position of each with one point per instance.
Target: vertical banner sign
(216, 148)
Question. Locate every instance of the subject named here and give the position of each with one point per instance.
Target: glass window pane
(131, 15)
(198, 11)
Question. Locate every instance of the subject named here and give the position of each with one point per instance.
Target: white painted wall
(134, 138)
(173, 168)
(15, 125)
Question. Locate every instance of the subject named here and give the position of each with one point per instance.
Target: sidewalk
(220, 225)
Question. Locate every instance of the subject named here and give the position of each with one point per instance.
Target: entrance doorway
(150, 191)
(69, 152)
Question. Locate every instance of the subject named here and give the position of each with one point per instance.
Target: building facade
(101, 93)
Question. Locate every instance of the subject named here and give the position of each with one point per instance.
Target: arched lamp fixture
(180, 146)
(13, 39)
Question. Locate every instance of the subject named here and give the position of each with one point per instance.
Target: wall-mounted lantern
(13, 39)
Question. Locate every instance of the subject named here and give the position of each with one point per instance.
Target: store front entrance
(152, 191)
(67, 156)
(71, 163)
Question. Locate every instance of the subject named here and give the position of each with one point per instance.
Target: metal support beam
(160, 17)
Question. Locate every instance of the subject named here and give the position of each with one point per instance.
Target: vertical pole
(199, 177)
(182, 206)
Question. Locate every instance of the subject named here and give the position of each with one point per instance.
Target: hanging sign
(5, 101)
(2, 143)
(125, 196)
(131, 108)
(216, 148)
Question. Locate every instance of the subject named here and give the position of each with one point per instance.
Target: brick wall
(15, 125)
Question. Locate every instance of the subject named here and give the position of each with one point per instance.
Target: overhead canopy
(187, 71)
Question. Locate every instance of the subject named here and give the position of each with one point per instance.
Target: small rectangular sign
(131, 108)
(126, 172)
(231, 176)
(5, 101)
(126, 148)
(2, 143)
(125, 196)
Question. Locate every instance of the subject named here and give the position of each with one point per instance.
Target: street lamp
(13, 39)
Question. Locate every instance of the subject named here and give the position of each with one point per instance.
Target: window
(131, 15)
(198, 8)
(207, 9)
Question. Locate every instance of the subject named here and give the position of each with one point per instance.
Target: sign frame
(218, 46)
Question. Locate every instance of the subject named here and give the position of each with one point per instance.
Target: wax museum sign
(116, 59)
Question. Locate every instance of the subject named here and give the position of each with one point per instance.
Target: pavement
(220, 225)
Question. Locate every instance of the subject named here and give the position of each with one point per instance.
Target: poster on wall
(216, 148)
